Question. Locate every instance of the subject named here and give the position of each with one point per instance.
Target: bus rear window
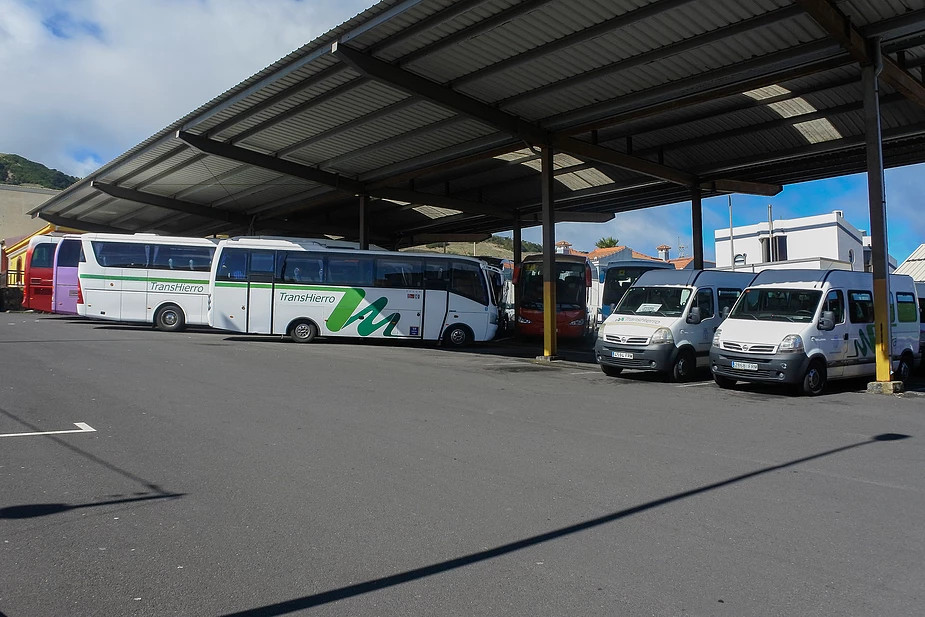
(43, 255)
(69, 253)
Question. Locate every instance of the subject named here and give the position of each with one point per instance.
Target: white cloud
(96, 77)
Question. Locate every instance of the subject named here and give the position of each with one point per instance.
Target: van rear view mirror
(827, 322)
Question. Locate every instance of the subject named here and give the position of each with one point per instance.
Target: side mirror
(827, 322)
(694, 316)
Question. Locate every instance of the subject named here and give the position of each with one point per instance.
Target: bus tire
(904, 369)
(457, 336)
(684, 367)
(169, 318)
(303, 331)
(611, 371)
(815, 379)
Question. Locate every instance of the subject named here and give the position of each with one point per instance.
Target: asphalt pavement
(201, 473)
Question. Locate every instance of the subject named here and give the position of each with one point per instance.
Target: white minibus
(665, 321)
(305, 288)
(805, 327)
(145, 278)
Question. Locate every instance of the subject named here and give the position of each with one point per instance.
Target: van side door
(709, 321)
(834, 343)
(861, 333)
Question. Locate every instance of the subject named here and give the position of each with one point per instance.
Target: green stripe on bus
(143, 278)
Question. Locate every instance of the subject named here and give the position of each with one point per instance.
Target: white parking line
(81, 428)
(693, 385)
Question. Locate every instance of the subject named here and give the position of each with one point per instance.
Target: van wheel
(611, 371)
(303, 331)
(169, 318)
(904, 370)
(685, 366)
(457, 336)
(724, 382)
(814, 380)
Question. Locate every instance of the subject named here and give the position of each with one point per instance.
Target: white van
(804, 327)
(666, 320)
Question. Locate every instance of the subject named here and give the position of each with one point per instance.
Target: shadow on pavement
(333, 595)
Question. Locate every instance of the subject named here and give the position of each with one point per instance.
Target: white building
(824, 241)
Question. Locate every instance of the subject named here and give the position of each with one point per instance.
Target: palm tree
(606, 243)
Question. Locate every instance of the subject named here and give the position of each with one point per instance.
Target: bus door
(436, 284)
(399, 280)
(260, 271)
(229, 294)
(469, 298)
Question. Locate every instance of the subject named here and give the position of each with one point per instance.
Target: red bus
(573, 285)
(38, 279)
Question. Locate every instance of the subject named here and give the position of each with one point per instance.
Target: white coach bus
(306, 288)
(145, 278)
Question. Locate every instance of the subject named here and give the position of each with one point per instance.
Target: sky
(83, 81)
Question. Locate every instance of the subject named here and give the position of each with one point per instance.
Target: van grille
(626, 340)
(748, 347)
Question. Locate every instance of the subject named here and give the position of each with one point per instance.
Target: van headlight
(792, 343)
(716, 337)
(662, 336)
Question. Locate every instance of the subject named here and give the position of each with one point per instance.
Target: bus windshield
(617, 280)
(570, 286)
(798, 305)
(665, 301)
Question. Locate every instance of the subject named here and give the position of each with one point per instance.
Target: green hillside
(496, 246)
(15, 169)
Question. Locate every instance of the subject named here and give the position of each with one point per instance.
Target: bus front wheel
(303, 331)
(169, 318)
(457, 336)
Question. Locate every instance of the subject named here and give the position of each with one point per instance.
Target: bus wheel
(611, 371)
(814, 380)
(904, 370)
(457, 336)
(684, 366)
(303, 331)
(169, 318)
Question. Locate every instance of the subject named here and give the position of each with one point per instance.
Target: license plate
(745, 366)
(622, 354)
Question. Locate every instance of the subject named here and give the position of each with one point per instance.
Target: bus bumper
(649, 358)
(777, 368)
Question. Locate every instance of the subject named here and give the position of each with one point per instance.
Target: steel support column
(550, 343)
(364, 222)
(697, 226)
(518, 257)
(877, 204)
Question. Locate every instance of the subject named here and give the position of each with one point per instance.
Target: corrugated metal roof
(422, 95)
(914, 265)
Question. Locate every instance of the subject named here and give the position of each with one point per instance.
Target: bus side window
(233, 265)
(436, 275)
(468, 282)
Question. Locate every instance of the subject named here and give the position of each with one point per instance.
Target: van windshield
(798, 305)
(666, 301)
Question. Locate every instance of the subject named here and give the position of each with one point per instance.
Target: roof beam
(335, 181)
(745, 187)
(168, 203)
(62, 221)
(501, 120)
(839, 27)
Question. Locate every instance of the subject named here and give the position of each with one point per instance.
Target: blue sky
(93, 78)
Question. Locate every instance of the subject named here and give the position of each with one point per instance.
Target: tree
(606, 243)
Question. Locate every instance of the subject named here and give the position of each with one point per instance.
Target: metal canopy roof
(435, 109)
